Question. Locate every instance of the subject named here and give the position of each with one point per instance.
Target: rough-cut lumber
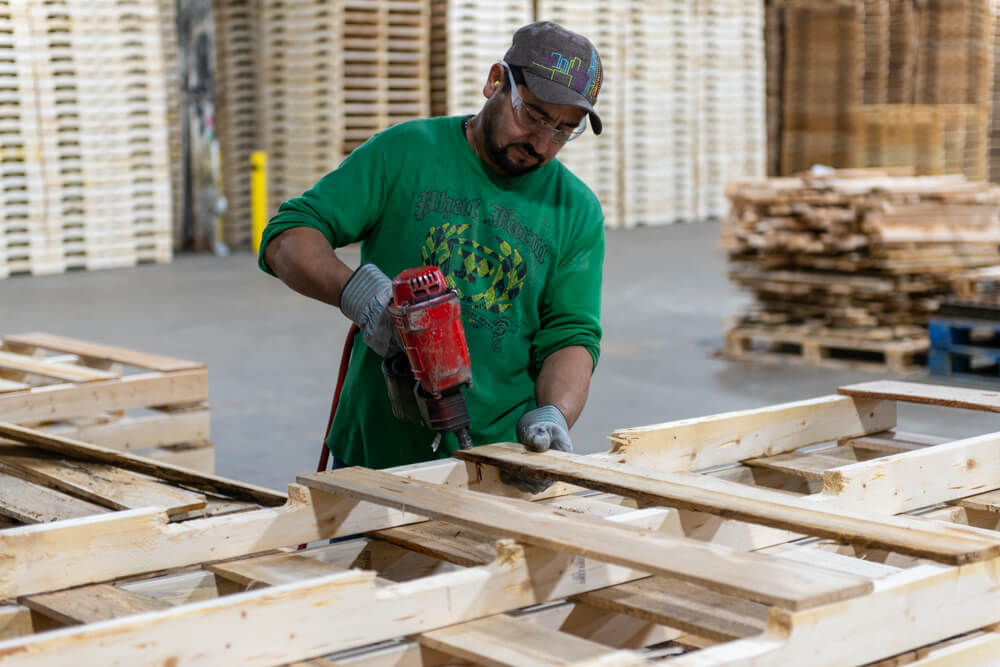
(272, 570)
(895, 441)
(500, 640)
(89, 604)
(938, 602)
(58, 371)
(930, 394)
(100, 483)
(15, 621)
(31, 503)
(950, 544)
(748, 575)
(155, 430)
(65, 401)
(910, 480)
(201, 633)
(94, 453)
(692, 444)
(684, 606)
(96, 351)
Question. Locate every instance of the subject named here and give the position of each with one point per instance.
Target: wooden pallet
(785, 344)
(751, 563)
(109, 396)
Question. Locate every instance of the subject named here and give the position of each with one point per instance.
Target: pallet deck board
(756, 578)
(913, 392)
(32, 503)
(730, 499)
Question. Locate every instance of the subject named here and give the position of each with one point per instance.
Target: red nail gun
(426, 381)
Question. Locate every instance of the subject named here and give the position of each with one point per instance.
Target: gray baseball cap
(559, 66)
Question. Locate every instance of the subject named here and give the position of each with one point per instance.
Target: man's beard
(498, 154)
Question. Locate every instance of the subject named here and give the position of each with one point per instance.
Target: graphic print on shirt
(486, 279)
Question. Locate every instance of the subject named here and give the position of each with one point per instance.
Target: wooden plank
(58, 371)
(96, 454)
(272, 570)
(937, 602)
(31, 503)
(144, 431)
(10, 385)
(748, 575)
(15, 621)
(894, 441)
(103, 484)
(106, 352)
(202, 634)
(66, 401)
(952, 544)
(90, 604)
(810, 465)
(176, 589)
(692, 444)
(986, 502)
(911, 480)
(500, 640)
(684, 606)
(930, 394)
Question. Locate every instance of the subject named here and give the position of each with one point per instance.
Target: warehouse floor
(272, 355)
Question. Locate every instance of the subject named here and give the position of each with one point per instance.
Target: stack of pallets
(774, 38)
(848, 270)
(386, 51)
(173, 85)
(797, 547)
(894, 83)
(300, 82)
(109, 396)
(823, 66)
(236, 109)
(595, 159)
(731, 129)
(93, 78)
(467, 37)
(660, 113)
(332, 75)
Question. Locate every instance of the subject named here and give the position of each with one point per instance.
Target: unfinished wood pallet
(110, 396)
(752, 563)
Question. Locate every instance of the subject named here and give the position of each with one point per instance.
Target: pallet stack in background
(332, 75)
(172, 86)
(881, 83)
(846, 268)
(86, 137)
(236, 102)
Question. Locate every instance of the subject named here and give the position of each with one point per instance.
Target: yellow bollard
(258, 197)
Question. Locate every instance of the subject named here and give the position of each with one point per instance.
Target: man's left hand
(544, 428)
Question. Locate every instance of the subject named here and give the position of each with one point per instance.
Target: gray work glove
(365, 300)
(539, 430)
(544, 428)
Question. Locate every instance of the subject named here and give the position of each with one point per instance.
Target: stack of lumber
(838, 264)
(113, 397)
(892, 83)
(330, 76)
(236, 103)
(100, 126)
(467, 37)
(994, 158)
(774, 37)
(797, 548)
(593, 158)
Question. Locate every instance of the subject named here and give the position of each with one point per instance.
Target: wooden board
(90, 604)
(31, 503)
(757, 578)
(929, 394)
(100, 483)
(97, 351)
(702, 493)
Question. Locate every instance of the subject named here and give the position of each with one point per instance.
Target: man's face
(516, 143)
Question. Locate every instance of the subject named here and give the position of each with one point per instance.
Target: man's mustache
(527, 149)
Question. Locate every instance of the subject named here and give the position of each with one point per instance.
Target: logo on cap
(570, 72)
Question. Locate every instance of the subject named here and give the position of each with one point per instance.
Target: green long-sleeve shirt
(525, 255)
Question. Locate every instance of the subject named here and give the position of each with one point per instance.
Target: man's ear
(494, 82)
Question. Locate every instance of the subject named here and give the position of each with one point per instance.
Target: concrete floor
(272, 355)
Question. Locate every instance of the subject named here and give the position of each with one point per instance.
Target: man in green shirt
(514, 232)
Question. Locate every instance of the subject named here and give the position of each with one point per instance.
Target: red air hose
(345, 360)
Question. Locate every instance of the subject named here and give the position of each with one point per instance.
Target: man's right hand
(365, 300)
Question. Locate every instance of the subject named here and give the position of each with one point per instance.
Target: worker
(514, 232)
